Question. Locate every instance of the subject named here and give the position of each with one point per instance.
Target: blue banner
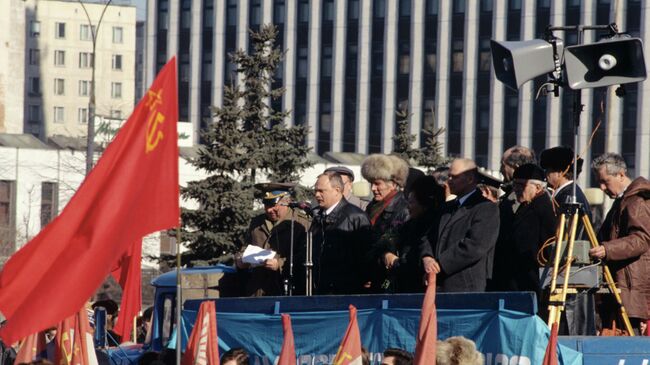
(504, 337)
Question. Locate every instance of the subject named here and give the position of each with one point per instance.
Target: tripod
(571, 213)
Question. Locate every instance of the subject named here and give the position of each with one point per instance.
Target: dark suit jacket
(465, 245)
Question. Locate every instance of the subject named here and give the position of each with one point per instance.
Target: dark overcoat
(466, 238)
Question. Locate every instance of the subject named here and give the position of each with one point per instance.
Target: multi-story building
(351, 64)
(49, 65)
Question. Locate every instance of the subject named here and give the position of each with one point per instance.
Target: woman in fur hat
(388, 210)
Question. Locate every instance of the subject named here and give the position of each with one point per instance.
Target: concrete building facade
(351, 64)
(49, 65)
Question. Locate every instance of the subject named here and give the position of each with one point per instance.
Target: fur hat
(385, 167)
(458, 350)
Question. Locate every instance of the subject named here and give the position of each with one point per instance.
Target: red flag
(550, 357)
(425, 346)
(129, 275)
(32, 348)
(350, 352)
(202, 345)
(74, 341)
(132, 191)
(288, 352)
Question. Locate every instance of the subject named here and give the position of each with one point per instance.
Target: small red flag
(202, 345)
(129, 275)
(550, 357)
(74, 341)
(350, 352)
(132, 192)
(425, 346)
(288, 352)
(32, 348)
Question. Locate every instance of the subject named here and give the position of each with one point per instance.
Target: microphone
(306, 206)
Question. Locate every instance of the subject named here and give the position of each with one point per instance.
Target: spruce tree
(245, 141)
(403, 139)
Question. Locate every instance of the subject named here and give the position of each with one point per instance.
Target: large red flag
(425, 346)
(288, 352)
(350, 352)
(202, 348)
(74, 342)
(129, 275)
(132, 191)
(32, 348)
(550, 357)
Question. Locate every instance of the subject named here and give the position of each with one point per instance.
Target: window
(59, 114)
(34, 29)
(59, 58)
(117, 62)
(458, 58)
(34, 56)
(117, 35)
(59, 86)
(49, 202)
(84, 87)
(116, 114)
(59, 30)
(85, 60)
(86, 32)
(34, 113)
(7, 207)
(35, 85)
(116, 90)
(82, 115)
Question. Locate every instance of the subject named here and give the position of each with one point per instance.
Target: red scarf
(377, 209)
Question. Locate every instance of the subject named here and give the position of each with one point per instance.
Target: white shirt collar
(562, 187)
(463, 198)
(330, 209)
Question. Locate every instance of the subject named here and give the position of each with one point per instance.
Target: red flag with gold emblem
(350, 352)
(74, 341)
(288, 352)
(131, 192)
(202, 346)
(426, 340)
(31, 348)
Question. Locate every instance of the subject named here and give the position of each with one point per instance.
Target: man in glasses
(467, 233)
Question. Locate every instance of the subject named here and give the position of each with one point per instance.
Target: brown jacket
(263, 233)
(625, 233)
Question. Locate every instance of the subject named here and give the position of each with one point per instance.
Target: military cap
(559, 159)
(341, 170)
(486, 178)
(274, 192)
(529, 171)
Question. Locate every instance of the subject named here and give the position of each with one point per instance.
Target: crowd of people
(476, 231)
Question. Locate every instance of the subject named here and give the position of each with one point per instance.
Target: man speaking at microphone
(271, 230)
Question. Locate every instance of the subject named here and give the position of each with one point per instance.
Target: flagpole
(178, 295)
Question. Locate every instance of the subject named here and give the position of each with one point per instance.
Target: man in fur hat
(557, 162)
(388, 211)
(463, 249)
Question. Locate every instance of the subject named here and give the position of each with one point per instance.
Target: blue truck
(503, 325)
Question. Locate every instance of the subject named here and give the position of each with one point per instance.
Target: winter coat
(341, 242)
(625, 233)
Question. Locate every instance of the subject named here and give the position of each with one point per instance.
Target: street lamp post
(90, 143)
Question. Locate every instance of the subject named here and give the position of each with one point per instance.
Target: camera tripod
(571, 212)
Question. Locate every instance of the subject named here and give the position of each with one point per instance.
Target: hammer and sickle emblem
(154, 134)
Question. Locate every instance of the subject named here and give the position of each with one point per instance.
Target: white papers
(256, 255)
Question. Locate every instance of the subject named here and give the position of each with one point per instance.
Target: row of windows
(85, 59)
(49, 205)
(83, 90)
(85, 31)
(58, 116)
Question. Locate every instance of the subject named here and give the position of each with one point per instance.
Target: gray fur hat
(385, 167)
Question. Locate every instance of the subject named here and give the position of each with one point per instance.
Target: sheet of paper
(256, 255)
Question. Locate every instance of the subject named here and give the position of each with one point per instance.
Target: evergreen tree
(245, 139)
(403, 139)
(430, 154)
